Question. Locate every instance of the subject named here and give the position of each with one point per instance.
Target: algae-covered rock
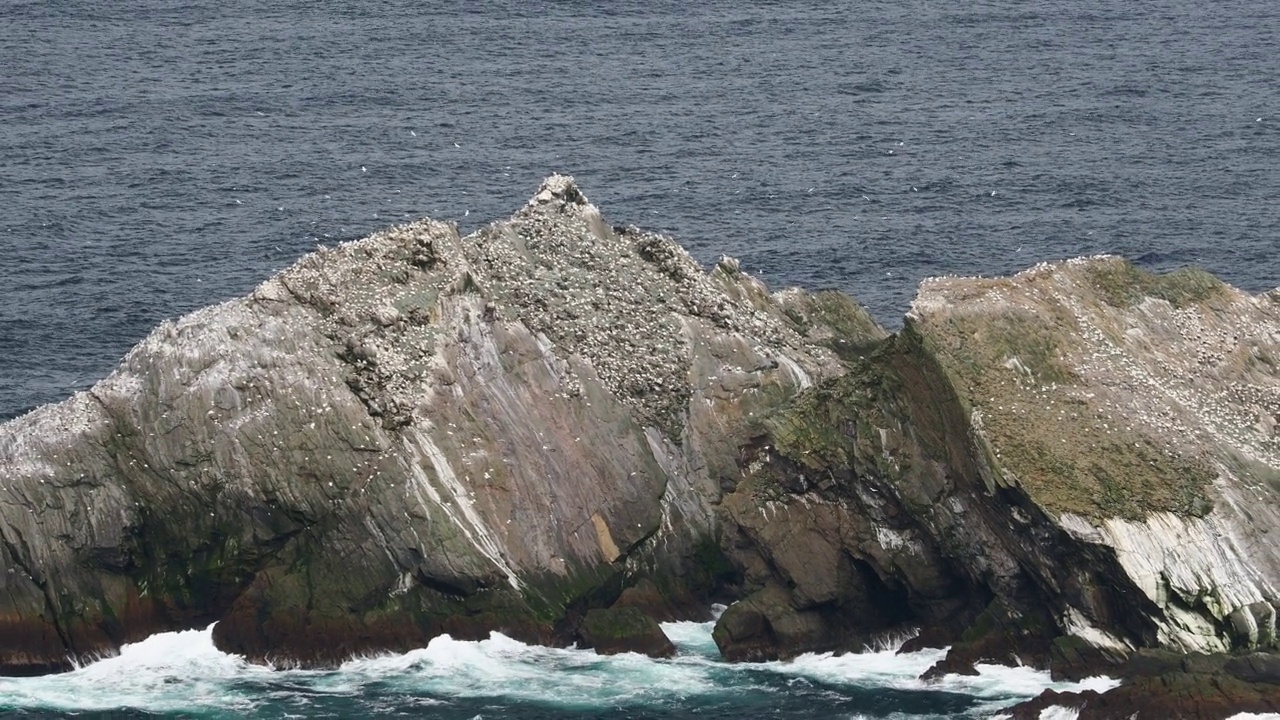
(405, 435)
(619, 630)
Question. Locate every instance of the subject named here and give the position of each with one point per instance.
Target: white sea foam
(692, 638)
(183, 672)
(1057, 712)
(1002, 681)
(506, 668)
(995, 686)
(167, 672)
(885, 668)
(890, 669)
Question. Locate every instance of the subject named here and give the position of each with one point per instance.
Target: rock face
(564, 430)
(407, 435)
(1056, 468)
(1141, 413)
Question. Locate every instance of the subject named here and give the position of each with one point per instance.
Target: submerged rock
(624, 629)
(411, 434)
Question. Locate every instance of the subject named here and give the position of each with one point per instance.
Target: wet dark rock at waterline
(626, 629)
(1162, 684)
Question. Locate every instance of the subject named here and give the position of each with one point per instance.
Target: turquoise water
(181, 675)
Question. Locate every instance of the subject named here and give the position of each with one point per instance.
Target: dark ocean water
(158, 157)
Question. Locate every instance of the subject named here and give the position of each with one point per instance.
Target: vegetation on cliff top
(1121, 284)
(1017, 356)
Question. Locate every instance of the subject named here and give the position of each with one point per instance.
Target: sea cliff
(562, 429)
(1061, 468)
(408, 435)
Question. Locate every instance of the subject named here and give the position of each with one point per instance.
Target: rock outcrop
(1056, 468)
(626, 629)
(1162, 684)
(1139, 412)
(563, 430)
(403, 436)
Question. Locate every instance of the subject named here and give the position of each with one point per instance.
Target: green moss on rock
(1014, 349)
(627, 629)
(1120, 284)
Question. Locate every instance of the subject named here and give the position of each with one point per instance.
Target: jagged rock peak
(559, 187)
(625, 299)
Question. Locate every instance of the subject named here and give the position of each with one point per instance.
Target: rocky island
(566, 431)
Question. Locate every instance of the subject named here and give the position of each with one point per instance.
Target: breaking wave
(184, 674)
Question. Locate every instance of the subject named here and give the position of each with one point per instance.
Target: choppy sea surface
(156, 157)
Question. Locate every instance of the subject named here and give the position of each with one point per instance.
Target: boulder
(611, 631)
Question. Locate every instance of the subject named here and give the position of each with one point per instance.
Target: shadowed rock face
(410, 434)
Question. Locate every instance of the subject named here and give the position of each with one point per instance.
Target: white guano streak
(470, 522)
(1195, 558)
(890, 539)
(801, 377)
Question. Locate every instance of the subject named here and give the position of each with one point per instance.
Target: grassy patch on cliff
(1048, 433)
(1120, 284)
(1029, 346)
(831, 430)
